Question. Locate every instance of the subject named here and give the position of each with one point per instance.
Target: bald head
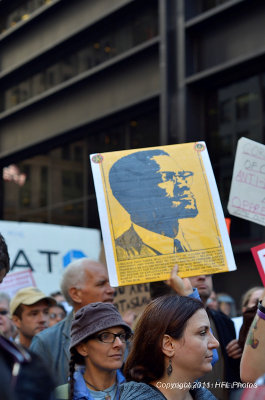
(86, 281)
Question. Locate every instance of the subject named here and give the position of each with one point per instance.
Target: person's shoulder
(62, 392)
(140, 391)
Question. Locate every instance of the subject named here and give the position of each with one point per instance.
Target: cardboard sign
(40, 252)
(258, 253)
(132, 297)
(247, 194)
(158, 207)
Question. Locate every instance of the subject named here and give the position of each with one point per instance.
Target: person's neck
(204, 300)
(174, 388)
(101, 380)
(24, 340)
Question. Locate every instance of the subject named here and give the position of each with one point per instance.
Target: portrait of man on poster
(156, 193)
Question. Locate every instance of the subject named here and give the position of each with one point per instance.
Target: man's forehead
(97, 272)
(167, 163)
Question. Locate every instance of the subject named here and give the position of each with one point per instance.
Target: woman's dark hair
(75, 358)
(164, 315)
(4, 257)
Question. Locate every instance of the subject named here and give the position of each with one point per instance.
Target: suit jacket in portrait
(130, 245)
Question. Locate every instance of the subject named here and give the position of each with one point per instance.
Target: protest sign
(132, 297)
(258, 253)
(158, 207)
(40, 252)
(247, 194)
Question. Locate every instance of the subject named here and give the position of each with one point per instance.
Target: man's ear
(17, 321)
(82, 349)
(168, 346)
(74, 293)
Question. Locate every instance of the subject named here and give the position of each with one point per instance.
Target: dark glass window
(43, 186)
(208, 4)
(25, 192)
(20, 13)
(195, 7)
(242, 106)
(226, 111)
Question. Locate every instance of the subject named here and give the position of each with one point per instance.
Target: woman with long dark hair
(172, 348)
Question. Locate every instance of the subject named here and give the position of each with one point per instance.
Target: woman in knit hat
(98, 341)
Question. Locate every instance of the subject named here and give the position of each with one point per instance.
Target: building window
(195, 7)
(21, 13)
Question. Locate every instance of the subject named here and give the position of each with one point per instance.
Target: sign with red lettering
(247, 194)
(258, 253)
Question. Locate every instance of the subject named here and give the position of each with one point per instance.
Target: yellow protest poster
(160, 206)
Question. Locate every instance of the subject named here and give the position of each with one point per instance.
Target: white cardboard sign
(247, 194)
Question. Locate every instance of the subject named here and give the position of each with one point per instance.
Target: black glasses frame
(124, 337)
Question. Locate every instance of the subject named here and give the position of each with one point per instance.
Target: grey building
(85, 76)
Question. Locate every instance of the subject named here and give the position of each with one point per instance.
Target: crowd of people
(183, 346)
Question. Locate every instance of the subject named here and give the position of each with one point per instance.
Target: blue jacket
(81, 391)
